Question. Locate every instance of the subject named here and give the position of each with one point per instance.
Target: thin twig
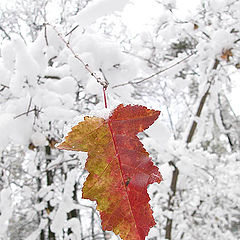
(5, 86)
(45, 34)
(7, 35)
(72, 30)
(155, 74)
(26, 113)
(104, 76)
(29, 105)
(98, 79)
(142, 58)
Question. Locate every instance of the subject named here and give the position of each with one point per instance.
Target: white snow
(62, 86)
(97, 9)
(38, 139)
(6, 121)
(66, 205)
(8, 55)
(6, 210)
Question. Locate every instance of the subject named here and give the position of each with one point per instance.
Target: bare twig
(3, 87)
(45, 34)
(155, 74)
(93, 74)
(142, 58)
(29, 105)
(104, 76)
(35, 110)
(72, 30)
(7, 35)
(52, 77)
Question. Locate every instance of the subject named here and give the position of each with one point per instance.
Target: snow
(6, 121)
(34, 235)
(62, 86)
(221, 40)
(57, 113)
(26, 65)
(146, 29)
(159, 133)
(66, 205)
(8, 55)
(38, 139)
(5, 75)
(97, 9)
(101, 112)
(6, 211)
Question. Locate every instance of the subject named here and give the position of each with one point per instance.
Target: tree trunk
(50, 174)
(40, 214)
(74, 213)
(173, 187)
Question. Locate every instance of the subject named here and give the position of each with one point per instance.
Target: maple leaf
(119, 168)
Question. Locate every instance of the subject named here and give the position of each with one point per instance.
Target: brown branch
(173, 187)
(200, 107)
(155, 74)
(98, 79)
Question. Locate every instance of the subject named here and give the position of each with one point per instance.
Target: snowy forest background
(185, 64)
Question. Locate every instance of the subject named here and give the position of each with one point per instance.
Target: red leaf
(120, 168)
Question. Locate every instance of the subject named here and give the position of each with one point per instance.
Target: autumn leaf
(119, 168)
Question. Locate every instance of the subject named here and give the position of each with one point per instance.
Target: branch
(200, 107)
(3, 87)
(155, 74)
(72, 30)
(35, 110)
(7, 35)
(45, 34)
(98, 79)
(142, 58)
(173, 188)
